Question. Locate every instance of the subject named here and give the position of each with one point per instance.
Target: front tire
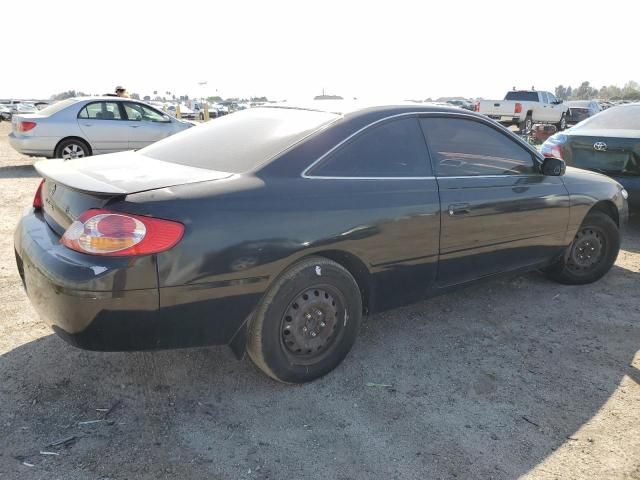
(72, 148)
(307, 322)
(591, 254)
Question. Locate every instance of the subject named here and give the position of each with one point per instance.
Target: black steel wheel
(310, 325)
(307, 322)
(592, 253)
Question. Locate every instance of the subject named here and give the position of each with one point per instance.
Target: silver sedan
(79, 127)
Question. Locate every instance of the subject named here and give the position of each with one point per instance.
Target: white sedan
(79, 127)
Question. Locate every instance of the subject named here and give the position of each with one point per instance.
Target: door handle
(457, 209)
(134, 126)
(88, 124)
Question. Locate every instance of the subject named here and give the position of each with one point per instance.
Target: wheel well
(608, 208)
(357, 269)
(55, 150)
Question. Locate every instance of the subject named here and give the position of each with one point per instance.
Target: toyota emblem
(600, 146)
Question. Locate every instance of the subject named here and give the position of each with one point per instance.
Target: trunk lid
(497, 107)
(122, 173)
(71, 187)
(610, 152)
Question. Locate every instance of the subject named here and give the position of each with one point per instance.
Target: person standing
(121, 92)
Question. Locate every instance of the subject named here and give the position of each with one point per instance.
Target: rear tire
(527, 125)
(591, 254)
(307, 322)
(72, 148)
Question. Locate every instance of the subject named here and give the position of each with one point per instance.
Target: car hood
(578, 176)
(123, 173)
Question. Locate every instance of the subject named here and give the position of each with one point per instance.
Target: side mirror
(553, 167)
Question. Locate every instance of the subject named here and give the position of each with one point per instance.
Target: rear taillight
(102, 232)
(518, 108)
(26, 126)
(476, 107)
(37, 199)
(553, 146)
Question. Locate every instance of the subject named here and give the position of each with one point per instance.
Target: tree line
(630, 91)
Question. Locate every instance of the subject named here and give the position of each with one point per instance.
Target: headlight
(624, 193)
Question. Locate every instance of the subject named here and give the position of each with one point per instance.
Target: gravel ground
(513, 378)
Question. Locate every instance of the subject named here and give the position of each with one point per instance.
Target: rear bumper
(36, 146)
(505, 119)
(110, 303)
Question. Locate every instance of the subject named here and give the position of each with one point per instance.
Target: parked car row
(7, 110)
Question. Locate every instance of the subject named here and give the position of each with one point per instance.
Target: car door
(380, 202)
(544, 110)
(146, 124)
(498, 212)
(103, 125)
(555, 109)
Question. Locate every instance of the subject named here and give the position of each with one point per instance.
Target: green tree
(135, 96)
(561, 92)
(68, 94)
(214, 99)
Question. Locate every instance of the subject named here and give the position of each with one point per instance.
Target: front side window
(138, 112)
(101, 111)
(551, 97)
(392, 149)
(462, 147)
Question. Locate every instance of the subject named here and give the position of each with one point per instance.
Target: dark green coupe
(608, 142)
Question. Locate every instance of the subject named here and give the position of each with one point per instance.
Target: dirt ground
(517, 377)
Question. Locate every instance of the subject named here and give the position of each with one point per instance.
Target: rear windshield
(240, 141)
(56, 107)
(522, 96)
(616, 118)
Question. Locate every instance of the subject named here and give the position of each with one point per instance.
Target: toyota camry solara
(274, 230)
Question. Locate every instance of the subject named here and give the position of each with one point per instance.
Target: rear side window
(462, 147)
(393, 149)
(240, 141)
(101, 111)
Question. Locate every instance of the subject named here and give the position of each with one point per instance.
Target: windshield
(616, 118)
(522, 96)
(56, 107)
(240, 141)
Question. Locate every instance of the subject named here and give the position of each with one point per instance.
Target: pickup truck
(525, 108)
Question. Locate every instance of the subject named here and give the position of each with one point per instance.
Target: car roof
(356, 108)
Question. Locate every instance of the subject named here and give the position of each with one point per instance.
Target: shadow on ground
(18, 171)
(484, 383)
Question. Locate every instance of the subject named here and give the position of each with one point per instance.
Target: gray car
(79, 127)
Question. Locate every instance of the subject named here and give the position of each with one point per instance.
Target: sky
(294, 49)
